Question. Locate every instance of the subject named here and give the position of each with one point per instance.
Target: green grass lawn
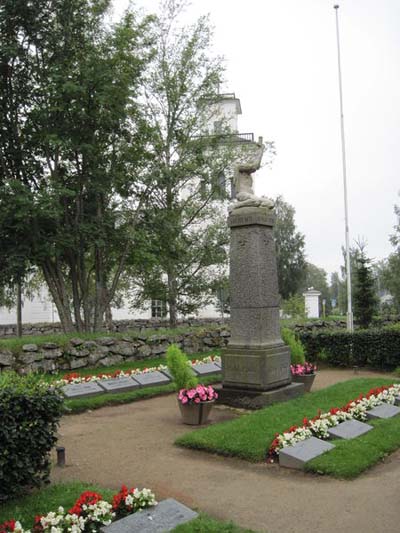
(48, 499)
(250, 436)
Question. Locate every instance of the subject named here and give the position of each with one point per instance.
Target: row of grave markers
(146, 379)
(299, 454)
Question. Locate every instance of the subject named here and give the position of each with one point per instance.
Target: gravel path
(133, 444)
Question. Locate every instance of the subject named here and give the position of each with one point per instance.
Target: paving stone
(205, 369)
(80, 390)
(167, 515)
(297, 455)
(385, 410)
(150, 379)
(119, 384)
(349, 429)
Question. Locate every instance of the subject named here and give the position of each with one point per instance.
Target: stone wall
(105, 351)
(10, 330)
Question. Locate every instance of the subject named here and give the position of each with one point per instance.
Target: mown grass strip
(250, 436)
(351, 457)
(205, 524)
(50, 498)
(47, 499)
(95, 402)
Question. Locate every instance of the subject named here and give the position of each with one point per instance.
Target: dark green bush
(29, 416)
(376, 348)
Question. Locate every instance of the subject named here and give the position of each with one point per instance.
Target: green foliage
(290, 253)
(294, 307)
(29, 416)
(183, 375)
(296, 348)
(184, 236)
(376, 348)
(365, 300)
(72, 147)
(250, 436)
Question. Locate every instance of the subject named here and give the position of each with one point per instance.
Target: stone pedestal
(256, 362)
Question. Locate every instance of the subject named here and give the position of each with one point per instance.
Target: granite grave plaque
(80, 390)
(152, 379)
(119, 384)
(385, 410)
(297, 455)
(205, 369)
(164, 517)
(349, 429)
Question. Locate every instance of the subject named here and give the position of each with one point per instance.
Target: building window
(158, 309)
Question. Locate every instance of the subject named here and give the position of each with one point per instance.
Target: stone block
(254, 399)
(50, 346)
(349, 429)
(106, 341)
(118, 384)
(110, 360)
(76, 342)
(397, 400)
(30, 348)
(81, 390)
(166, 516)
(299, 454)
(206, 369)
(77, 362)
(385, 410)
(144, 351)
(152, 379)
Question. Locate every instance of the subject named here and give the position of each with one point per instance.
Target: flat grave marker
(119, 384)
(151, 379)
(81, 390)
(349, 429)
(385, 410)
(297, 455)
(164, 517)
(205, 369)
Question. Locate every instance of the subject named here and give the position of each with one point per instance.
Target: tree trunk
(57, 289)
(172, 294)
(19, 309)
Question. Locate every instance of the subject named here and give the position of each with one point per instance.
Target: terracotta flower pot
(307, 379)
(195, 414)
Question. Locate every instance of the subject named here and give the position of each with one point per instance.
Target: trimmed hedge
(376, 348)
(29, 416)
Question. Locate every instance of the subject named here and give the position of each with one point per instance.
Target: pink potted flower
(304, 373)
(195, 400)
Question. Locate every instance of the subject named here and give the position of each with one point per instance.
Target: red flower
(86, 498)
(7, 526)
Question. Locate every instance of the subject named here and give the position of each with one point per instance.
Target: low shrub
(297, 355)
(29, 416)
(376, 348)
(181, 372)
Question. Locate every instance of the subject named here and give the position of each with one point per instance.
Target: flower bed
(75, 377)
(89, 513)
(319, 425)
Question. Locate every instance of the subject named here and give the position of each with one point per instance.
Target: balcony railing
(227, 138)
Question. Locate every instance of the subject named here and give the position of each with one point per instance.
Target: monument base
(254, 399)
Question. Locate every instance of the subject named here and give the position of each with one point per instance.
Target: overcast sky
(281, 61)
